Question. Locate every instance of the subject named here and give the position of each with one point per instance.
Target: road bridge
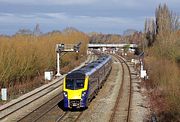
(111, 45)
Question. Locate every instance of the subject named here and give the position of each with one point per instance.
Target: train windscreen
(74, 84)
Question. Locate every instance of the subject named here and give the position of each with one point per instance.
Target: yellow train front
(81, 85)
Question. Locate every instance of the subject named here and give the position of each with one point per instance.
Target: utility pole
(60, 48)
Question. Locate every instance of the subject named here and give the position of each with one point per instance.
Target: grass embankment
(164, 71)
(24, 58)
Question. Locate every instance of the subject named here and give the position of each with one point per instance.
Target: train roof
(89, 68)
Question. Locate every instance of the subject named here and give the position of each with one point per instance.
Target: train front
(75, 90)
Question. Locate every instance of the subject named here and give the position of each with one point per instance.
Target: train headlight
(65, 93)
(83, 93)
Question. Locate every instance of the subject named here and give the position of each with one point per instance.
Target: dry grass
(24, 57)
(165, 82)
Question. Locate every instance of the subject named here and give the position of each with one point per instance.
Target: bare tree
(166, 20)
(150, 31)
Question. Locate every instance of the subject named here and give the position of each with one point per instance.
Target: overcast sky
(106, 16)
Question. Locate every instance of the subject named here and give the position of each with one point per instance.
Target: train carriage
(81, 85)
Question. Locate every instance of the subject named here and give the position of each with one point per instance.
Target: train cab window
(69, 84)
(80, 83)
(74, 84)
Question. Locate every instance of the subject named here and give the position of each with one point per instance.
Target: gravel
(100, 108)
(139, 104)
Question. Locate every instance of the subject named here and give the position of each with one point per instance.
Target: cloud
(58, 21)
(55, 17)
(49, 2)
(86, 15)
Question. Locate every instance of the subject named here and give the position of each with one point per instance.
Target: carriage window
(69, 84)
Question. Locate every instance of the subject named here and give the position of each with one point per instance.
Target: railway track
(29, 98)
(52, 110)
(9, 110)
(70, 116)
(42, 110)
(74, 116)
(121, 110)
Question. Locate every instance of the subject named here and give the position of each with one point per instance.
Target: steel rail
(29, 96)
(79, 114)
(56, 84)
(54, 88)
(76, 120)
(121, 60)
(62, 116)
(40, 107)
(119, 92)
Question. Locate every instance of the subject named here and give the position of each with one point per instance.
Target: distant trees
(105, 38)
(129, 32)
(24, 32)
(130, 37)
(37, 31)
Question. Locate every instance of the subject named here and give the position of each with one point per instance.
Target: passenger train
(81, 85)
